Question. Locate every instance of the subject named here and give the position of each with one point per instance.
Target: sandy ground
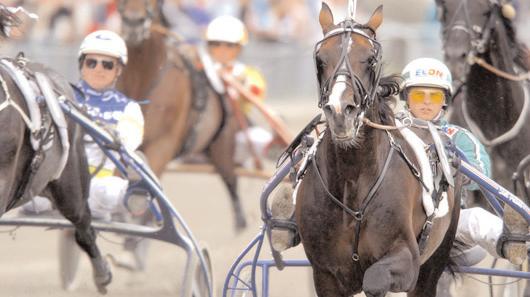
(29, 261)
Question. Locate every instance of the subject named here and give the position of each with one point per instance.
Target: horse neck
(350, 172)
(145, 60)
(491, 98)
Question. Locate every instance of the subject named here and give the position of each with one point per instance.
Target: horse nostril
(349, 109)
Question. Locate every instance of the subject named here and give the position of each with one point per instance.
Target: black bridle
(345, 30)
(479, 36)
(140, 26)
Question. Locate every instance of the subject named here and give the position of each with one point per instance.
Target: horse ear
(326, 18)
(376, 19)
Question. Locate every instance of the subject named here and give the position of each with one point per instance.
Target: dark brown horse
(185, 114)
(486, 59)
(359, 207)
(495, 107)
(29, 166)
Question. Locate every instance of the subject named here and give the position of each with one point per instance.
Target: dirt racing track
(29, 260)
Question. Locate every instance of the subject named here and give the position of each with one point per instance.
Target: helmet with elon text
(427, 72)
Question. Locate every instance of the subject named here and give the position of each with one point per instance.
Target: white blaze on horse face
(341, 82)
(337, 91)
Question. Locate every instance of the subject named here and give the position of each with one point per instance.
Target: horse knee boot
(283, 233)
(514, 251)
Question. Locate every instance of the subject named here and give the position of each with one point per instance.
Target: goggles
(223, 43)
(419, 96)
(92, 63)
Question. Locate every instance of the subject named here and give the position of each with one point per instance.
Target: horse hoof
(102, 275)
(102, 282)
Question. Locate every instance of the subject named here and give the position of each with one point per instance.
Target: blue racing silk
(114, 110)
(474, 151)
(106, 106)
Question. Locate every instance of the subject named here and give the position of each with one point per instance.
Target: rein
(369, 123)
(500, 73)
(508, 135)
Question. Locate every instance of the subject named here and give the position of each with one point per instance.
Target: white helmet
(427, 72)
(227, 29)
(104, 42)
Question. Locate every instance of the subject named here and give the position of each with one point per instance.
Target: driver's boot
(282, 209)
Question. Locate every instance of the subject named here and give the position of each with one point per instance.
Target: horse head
(348, 62)
(137, 16)
(468, 27)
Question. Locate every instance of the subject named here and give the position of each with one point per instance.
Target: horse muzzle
(135, 31)
(344, 126)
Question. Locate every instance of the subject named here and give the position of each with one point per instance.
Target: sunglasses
(222, 43)
(436, 96)
(92, 63)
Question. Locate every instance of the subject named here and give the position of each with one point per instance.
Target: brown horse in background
(185, 114)
(358, 206)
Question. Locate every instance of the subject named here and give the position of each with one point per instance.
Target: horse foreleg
(70, 194)
(326, 284)
(221, 153)
(397, 272)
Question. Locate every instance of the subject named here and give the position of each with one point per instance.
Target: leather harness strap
(358, 215)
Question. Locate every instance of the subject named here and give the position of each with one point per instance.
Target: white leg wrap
(37, 205)
(479, 227)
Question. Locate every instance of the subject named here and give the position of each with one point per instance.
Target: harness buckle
(427, 225)
(358, 216)
(355, 257)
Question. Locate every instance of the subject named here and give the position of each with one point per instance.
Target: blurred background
(282, 33)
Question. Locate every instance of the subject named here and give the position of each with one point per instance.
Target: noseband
(346, 29)
(479, 36)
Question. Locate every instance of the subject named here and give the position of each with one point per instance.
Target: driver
(102, 56)
(225, 37)
(426, 91)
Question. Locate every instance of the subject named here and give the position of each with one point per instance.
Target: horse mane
(521, 53)
(389, 86)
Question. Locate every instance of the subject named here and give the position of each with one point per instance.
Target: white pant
(259, 138)
(106, 195)
(479, 227)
